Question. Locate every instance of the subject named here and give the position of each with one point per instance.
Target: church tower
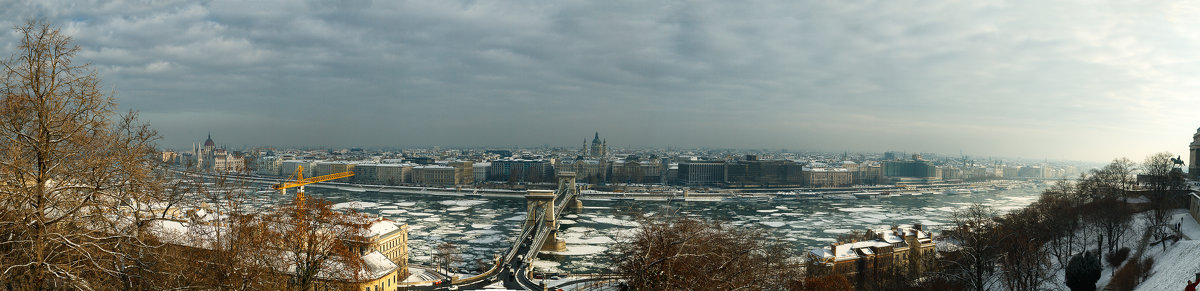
(598, 147)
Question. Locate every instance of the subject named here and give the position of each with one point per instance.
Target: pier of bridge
(545, 201)
(566, 184)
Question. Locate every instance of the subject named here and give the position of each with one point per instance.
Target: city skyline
(1083, 81)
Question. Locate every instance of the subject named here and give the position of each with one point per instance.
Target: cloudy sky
(1037, 79)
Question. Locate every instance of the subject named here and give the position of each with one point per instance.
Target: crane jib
(316, 179)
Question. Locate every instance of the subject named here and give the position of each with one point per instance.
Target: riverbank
(680, 195)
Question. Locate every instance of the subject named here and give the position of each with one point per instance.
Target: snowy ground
(1173, 267)
(418, 274)
(1180, 262)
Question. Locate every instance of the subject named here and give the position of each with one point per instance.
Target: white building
(480, 171)
(211, 158)
(268, 165)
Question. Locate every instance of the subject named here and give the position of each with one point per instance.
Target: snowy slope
(1173, 268)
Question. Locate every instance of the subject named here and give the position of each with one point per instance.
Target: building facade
(268, 166)
(1194, 205)
(464, 172)
(211, 158)
(702, 173)
(635, 171)
(909, 169)
(898, 250)
(433, 175)
(480, 170)
(1194, 156)
(394, 174)
(868, 174)
(752, 172)
(827, 177)
(331, 167)
(592, 171)
(521, 171)
(288, 167)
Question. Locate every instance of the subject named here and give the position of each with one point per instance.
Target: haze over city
(1084, 81)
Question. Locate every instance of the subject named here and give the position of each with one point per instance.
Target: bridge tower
(544, 199)
(566, 183)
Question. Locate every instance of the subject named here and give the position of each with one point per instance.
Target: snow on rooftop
(185, 234)
(947, 245)
(846, 251)
(890, 236)
(825, 169)
(382, 227)
(821, 253)
(432, 167)
(378, 265)
(169, 227)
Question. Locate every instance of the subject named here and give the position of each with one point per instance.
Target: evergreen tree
(1083, 271)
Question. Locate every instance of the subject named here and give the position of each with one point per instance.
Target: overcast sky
(1035, 79)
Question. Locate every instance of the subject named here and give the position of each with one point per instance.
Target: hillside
(1179, 263)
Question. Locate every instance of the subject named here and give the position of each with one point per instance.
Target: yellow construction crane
(301, 181)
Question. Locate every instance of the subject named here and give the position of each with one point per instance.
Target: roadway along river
(483, 227)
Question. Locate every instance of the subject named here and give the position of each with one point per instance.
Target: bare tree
(672, 253)
(1111, 218)
(447, 255)
(1157, 169)
(226, 244)
(1060, 206)
(1118, 174)
(974, 231)
(314, 238)
(1023, 259)
(75, 186)
(1108, 182)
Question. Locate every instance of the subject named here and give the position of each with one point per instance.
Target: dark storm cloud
(1061, 80)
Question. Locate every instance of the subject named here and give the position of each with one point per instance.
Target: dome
(209, 142)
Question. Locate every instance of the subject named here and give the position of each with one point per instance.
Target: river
(483, 227)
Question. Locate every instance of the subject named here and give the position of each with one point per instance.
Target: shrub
(1117, 257)
(1127, 277)
(1083, 271)
(1147, 264)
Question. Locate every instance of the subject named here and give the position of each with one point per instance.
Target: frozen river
(483, 227)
